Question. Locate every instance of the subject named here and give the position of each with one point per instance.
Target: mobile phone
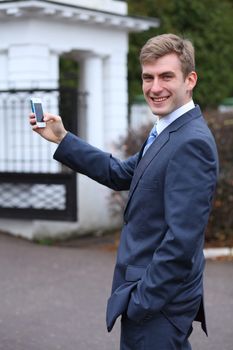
(36, 105)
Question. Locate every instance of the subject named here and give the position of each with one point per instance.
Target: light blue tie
(152, 136)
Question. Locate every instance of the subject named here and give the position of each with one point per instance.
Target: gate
(32, 184)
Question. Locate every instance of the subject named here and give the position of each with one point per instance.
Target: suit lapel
(159, 142)
(157, 145)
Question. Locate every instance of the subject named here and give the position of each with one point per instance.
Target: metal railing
(32, 184)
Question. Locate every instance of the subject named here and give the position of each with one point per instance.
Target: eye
(147, 77)
(167, 76)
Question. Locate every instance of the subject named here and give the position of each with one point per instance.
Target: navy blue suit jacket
(160, 259)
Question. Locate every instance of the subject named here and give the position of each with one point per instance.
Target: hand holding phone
(54, 130)
(36, 105)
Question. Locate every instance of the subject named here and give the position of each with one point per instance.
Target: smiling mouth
(159, 99)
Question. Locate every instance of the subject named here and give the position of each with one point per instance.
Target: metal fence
(32, 184)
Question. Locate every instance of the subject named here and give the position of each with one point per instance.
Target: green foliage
(221, 221)
(209, 25)
(47, 241)
(68, 72)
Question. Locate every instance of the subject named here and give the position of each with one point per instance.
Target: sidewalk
(55, 297)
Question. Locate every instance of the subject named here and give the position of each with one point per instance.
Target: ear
(191, 80)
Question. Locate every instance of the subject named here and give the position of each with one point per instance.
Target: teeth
(159, 99)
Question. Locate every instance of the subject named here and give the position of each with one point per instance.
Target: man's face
(164, 86)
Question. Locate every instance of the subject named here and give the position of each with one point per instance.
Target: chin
(160, 112)
(163, 110)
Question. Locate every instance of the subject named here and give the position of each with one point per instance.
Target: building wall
(34, 34)
(30, 59)
(101, 5)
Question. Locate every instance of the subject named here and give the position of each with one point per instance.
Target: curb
(211, 253)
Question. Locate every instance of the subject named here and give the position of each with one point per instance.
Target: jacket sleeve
(189, 186)
(96, 164)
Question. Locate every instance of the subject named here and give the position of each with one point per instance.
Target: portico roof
(55, 10)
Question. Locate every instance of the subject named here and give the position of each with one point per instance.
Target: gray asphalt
(54, 297)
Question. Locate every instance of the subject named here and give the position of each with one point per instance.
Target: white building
(34, 35)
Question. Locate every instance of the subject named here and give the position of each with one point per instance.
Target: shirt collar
(168, 119)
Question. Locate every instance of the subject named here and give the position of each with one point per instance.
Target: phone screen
(38, 112)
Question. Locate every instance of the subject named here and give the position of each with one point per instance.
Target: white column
(92, 216)
(3, 69)
(32, 66)
(92, 83)
(27, 67)
(115, 97)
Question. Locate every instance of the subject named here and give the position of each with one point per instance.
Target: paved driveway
(55, 297)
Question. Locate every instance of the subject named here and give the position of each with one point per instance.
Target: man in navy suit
(158, 279)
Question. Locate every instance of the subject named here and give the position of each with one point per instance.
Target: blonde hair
(164, 44)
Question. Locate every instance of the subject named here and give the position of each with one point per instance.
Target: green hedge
(220, 226)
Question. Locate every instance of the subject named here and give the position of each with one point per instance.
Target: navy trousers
(155, 334)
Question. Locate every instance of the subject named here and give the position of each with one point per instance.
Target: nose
(156, 86)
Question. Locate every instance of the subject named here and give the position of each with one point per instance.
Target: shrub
(220, 226)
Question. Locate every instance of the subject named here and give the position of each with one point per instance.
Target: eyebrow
(148, 75)
(167, 73)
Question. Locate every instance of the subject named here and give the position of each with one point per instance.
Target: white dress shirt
(163, 122)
